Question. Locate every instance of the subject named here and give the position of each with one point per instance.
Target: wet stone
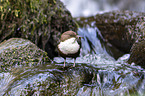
(83, 80)
(118, 28)
(18, 51)
(137, 53)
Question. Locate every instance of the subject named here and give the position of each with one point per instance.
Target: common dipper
(69, 46)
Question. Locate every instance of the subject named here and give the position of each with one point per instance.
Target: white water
(92, 7)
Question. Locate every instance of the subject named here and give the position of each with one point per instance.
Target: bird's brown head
(68, 34)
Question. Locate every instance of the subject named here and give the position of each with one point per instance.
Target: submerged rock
(18, 51)
(83, 80)
(42, 22)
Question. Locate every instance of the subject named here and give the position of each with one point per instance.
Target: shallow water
(109, 77)
(93, 75)
(97, 73)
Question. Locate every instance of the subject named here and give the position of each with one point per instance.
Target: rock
(42, 22)
(18, 51)
(119, 28)
(137, 53)
(83, 80)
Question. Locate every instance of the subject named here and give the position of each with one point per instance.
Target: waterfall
(87, 8)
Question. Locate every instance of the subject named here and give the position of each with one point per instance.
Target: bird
(69, 45)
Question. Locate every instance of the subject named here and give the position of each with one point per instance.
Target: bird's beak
(79, 37)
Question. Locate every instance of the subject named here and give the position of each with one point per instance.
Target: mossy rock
(18, 51)
(137, 53)
(120, 28)
(41, 21)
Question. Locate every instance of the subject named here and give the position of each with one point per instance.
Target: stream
(99, 71)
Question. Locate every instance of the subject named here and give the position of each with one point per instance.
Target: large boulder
(119, 28)
(18, 51)
(42, 22)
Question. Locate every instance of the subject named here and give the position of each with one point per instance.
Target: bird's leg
(74, 62)
(64, 62)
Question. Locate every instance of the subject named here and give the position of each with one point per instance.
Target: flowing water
(110, 77)
(91, 7)
(97, 72)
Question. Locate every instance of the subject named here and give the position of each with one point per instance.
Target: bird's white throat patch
(69, 46)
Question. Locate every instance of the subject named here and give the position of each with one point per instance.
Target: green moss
(36, 20)
(21, 52)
